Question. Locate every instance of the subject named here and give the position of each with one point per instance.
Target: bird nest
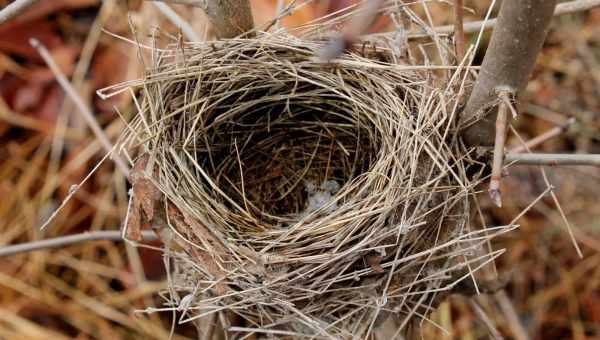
(309, 198)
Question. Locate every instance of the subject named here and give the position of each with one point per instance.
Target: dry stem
(62, 241)
(178, 21)
(532, 143)
(86, 113)
(494, 190)
(551, 159)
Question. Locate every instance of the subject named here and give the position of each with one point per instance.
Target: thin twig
(178, 21)
(561, 9)
(555, 131)
(512, 318)
(494, 333)
(82, 108)
(553, 159)
(13, 9)
(62, 241)
(459, 32)
(555, 199)
(497, 163)
(476, 26)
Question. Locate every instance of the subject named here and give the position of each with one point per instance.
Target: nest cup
(309, 198)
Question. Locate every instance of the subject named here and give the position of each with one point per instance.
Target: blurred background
(91, 290)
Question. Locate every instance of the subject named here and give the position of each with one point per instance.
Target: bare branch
(475, 26)
(494, 333)
(532, 143)
(57, 242)
(508, 62)
(86, 113)
(13, 9)
(561, 9)
(178, 21)
(552, 159)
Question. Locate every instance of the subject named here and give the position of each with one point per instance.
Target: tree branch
(508, 62)
(561, 9)
(57, 242)
(552, 159)
(230, 18)
(532, 143)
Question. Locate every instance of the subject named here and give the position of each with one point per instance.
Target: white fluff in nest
(319, 196)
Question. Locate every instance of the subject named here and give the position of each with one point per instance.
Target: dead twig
(561, 9)
(494, 333)
(532, 143)
(512, 318)
(178, 21)
(508, 63)
(85, 112)
(62, 241)
(553, 159)
(476, 26)
(500, 141)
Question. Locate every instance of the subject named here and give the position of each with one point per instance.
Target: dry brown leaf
(145, 197)
(179, 221)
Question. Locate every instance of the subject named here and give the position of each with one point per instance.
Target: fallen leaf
(145, 197)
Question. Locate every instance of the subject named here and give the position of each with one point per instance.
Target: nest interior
(309, 198)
